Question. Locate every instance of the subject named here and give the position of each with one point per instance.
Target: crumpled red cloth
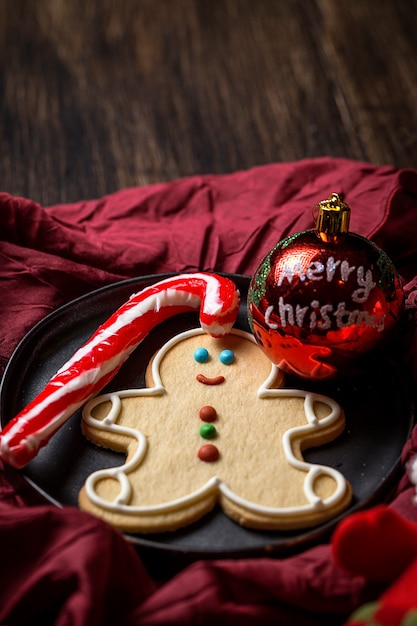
(61, 566)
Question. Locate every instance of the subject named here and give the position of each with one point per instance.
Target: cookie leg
(378, 544)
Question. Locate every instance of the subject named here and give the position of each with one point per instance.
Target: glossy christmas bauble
(316, 304)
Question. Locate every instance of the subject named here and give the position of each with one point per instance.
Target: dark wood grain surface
(104, 94)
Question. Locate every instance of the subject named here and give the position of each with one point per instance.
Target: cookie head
(205, 366)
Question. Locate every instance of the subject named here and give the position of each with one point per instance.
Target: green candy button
(208, 431)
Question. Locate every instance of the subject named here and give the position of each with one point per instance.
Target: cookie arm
(101, 357)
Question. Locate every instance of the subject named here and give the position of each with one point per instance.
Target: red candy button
(208, 414)
(208, 453)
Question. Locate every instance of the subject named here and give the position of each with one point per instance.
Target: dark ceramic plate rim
(252, 542)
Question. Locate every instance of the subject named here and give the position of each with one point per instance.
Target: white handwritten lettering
(321, 317)
(331, 267)
(346, 270)
(326, 316)
(300, 313)
(313, 269)
(316, 270)
(290, 271)
(284, 310)
(268, 314)
(325, 321)
(366, 284)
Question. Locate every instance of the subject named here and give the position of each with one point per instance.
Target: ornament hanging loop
(333, 218)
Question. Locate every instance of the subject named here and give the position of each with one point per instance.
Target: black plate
(378, 408)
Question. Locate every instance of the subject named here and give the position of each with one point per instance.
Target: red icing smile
(217, 380)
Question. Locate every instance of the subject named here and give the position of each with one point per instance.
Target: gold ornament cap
(333, 218)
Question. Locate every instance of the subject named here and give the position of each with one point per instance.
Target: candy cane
(98, 360)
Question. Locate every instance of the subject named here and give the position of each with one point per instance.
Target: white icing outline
(120, 503)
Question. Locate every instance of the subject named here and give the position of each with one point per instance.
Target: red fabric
(226, 223)
(302, 591)
(62, 567)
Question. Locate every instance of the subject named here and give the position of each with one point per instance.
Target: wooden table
(105, 94)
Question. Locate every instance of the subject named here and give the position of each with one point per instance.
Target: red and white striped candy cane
(98, 360)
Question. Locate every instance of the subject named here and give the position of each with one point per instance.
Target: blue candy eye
(227, 357)
(201, 355)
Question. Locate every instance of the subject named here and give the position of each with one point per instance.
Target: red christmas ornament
(321, 298)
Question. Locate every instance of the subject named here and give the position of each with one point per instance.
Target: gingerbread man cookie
(213, 425)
